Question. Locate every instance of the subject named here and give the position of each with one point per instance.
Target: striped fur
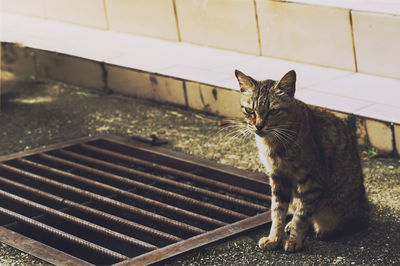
(311, 159)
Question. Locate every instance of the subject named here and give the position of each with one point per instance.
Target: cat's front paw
(269, 243)
(292, 245)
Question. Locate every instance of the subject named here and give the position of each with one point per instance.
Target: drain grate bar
(149, 188)
(197, 241)
(77, 221)
(170, 182)
(158, 218)
(104, 200)
(71, 238)
(177, 172)
(112, 189)
(38, 249)
(102, 215)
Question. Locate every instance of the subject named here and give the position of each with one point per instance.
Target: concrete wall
(346, 36)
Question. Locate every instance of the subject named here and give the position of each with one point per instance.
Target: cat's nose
(259, 127)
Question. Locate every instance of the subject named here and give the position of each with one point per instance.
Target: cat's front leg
(281, 193)
(298, 228)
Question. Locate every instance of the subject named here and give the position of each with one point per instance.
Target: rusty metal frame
(57, 257)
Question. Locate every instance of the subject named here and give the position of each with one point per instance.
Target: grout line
(177, 21)
(104, 75)
(106, 15)
(185, 93)
(353, 40)
(395, 151)
(258, 27)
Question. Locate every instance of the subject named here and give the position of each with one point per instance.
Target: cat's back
(336, 141)
(332, 131)
(343, 174)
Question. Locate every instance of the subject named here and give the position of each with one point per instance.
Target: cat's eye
(273, 111)
(249, 110)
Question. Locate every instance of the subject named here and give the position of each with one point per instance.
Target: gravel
(36, 113)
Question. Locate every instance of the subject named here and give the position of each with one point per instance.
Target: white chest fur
(263, 153)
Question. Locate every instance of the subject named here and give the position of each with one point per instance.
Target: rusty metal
(59, 233)
(38, 249)
(177, 172)
(78, 222)
(198, 241)
(140, 185)
(118, 191)
(88, 210)
(108, 200)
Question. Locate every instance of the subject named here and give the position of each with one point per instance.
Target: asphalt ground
(37, 113)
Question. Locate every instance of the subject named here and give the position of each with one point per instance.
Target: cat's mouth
(260, 132)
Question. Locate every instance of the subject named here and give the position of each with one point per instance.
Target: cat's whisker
(230, 127)
(239, 134)
(281, 137)
(247, 132)
(225, 129)
(234, 133)
(285, 135)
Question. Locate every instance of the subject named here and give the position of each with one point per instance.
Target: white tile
(69, 69)
(145, 85)
(25, 7)
(19, 25)
(223, 24)
(365, 87)
(210, 58)
(146, 58)
(380, 135)
(377, 42)
(88, 13)
(169, 90)
(397, 138)
(230, 83)
(130, 82)
(213, 99)
(194, 74)
(307, 33)
(333, 102)
(387, 6)
(262, 68)
(76, 40)
(381, 112)
(144, 17)
(155, 55)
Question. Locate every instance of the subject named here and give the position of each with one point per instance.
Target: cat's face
(267, 105)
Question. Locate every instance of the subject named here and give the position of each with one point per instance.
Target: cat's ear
(247, 83)
(288, 83)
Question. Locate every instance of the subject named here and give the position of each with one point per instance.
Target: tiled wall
(26, 63)
(377, 42)
(143, 17)
(307, 33)
(303, 31)
(219, 23)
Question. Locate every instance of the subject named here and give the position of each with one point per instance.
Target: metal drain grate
(107, 200)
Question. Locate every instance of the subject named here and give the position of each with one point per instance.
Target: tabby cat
(311, 159)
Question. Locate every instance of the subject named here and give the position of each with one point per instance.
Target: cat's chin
(260, 134)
